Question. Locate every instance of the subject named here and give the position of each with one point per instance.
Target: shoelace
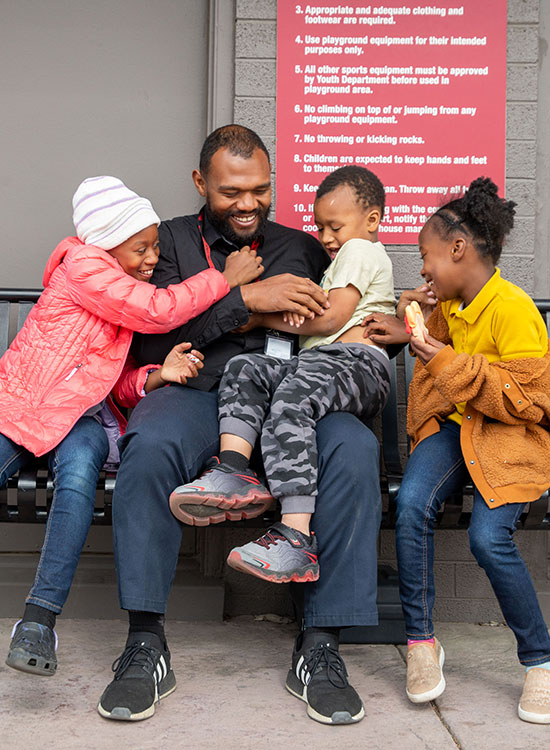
(23, 637)
(25, 640)
(210, 469)
(136, 655)
(269, 538)
(323, 655)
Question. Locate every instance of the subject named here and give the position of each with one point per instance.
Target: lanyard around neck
(253, 246)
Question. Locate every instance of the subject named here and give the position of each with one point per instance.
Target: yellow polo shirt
(501, 322)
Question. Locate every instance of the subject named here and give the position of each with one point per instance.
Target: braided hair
(481, 214)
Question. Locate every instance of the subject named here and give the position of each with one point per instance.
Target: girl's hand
(385, 329)
(423, 295)
(293, 319)
(242, 266)
(181, 364)
(426, 350)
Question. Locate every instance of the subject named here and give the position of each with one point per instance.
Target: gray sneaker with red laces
(220, 494)
(281, 555)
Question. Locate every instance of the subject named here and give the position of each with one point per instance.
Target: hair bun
(480, 198)
(483, 207)
(483, 185)
(488, 217)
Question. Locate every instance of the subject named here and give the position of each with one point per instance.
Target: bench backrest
(14, 308)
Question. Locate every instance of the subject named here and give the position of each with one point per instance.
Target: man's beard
(220, 221)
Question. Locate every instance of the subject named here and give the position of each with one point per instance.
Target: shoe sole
(25, 661)
(533, 718)
(201, 510)
(299, 690)
(304, 575)
(431, 695)
(123, 713)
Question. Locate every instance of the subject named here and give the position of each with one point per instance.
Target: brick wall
(255, 102)
(463, 592)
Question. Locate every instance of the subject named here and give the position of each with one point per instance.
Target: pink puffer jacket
(72, 349)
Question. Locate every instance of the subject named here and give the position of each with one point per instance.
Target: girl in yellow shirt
(479, 410)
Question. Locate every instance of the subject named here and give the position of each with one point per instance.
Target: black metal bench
(27, 496)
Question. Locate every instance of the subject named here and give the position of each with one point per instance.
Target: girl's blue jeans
(74, 464)
(435, 470)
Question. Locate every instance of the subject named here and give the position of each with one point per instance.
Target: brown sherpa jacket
(505, 434)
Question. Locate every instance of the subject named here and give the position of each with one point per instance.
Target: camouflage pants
(282, 400)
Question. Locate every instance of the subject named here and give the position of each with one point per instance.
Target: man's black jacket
(182, 255)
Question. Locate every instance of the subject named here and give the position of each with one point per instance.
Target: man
(174, 431)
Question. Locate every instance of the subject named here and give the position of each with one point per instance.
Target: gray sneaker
(280, 555)
(220, 494)
(32, 649)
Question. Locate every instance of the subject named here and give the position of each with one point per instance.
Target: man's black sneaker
(319, 677)
(220, 494)
(142, 677)
(32, 648)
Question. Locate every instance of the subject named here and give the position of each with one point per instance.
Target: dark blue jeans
(75, 464)
(171, 435)
(436, 470)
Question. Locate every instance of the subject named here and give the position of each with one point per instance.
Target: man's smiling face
(237, 193)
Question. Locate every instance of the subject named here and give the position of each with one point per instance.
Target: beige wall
(93, 88)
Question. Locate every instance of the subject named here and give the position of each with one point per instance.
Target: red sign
(414, 91)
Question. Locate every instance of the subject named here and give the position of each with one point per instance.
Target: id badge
(278, 346)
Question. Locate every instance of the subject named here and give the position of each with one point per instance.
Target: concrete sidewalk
(231, 694)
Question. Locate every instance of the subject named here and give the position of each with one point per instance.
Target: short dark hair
(366, 185)
(240, 141)
(482, 214)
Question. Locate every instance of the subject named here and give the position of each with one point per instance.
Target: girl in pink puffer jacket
(57, 376)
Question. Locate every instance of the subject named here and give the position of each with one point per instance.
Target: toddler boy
(281, 399)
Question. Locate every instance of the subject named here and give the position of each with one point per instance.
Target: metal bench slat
(4, 326)
(23, 309)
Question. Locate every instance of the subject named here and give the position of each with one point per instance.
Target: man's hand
(285, 293)
(423, 295)
(385, 329)
(426, 350)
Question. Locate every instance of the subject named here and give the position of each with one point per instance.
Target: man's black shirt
(284, 250)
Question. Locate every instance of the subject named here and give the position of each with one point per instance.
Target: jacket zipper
(72, 372)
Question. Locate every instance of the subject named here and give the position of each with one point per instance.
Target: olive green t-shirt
(366, 266)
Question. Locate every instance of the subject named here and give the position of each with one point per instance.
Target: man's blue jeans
(435, 470)
(74, 464)
(171, 435)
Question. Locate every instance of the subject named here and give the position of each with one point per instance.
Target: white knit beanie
(106, 212)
